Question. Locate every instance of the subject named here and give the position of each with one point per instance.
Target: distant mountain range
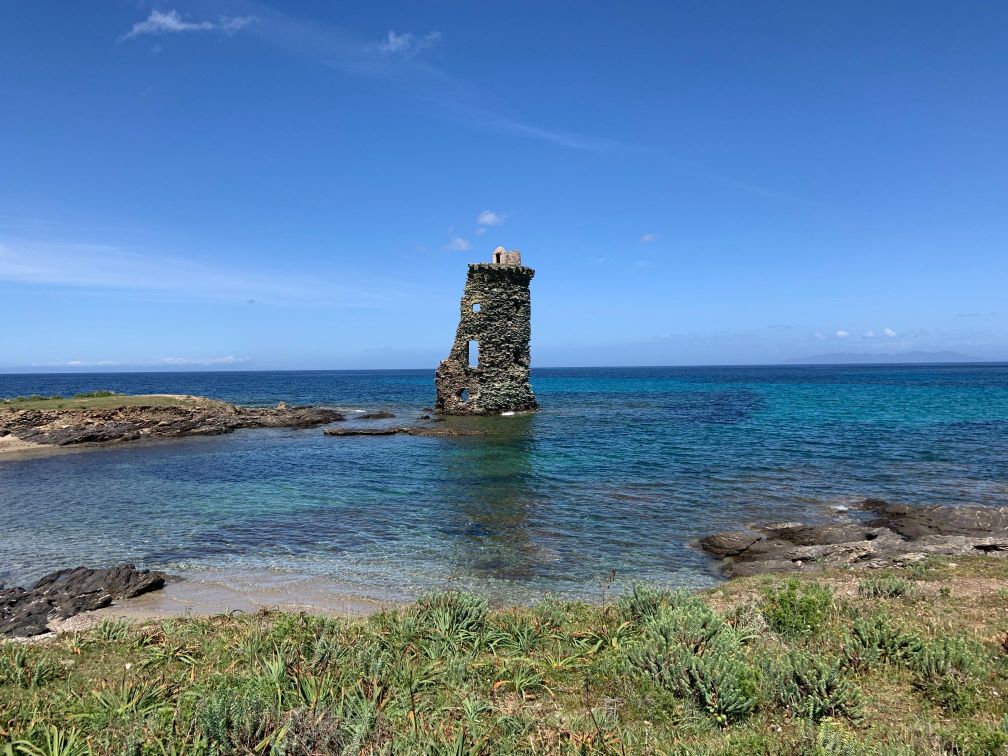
(858, 358)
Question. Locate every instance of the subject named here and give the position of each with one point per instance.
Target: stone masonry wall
(502, 329)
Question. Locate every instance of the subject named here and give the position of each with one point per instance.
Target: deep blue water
(621, 469)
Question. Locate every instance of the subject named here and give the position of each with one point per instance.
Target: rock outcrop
(494, 320)
(887, 535)
(64, 593)
(198, 417)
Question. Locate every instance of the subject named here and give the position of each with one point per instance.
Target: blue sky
(236, 184)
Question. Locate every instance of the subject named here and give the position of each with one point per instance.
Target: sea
(610, 483)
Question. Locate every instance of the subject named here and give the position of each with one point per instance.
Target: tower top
(502, 257)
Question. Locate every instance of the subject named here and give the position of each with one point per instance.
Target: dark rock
(895, 535)
(729, 543)
(198, 417)
(67, 592)
(363, 431)
(376, 416)
(409, 431)
(918, 522)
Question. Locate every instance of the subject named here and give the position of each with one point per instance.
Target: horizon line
(965, 363)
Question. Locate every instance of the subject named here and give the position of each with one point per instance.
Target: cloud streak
(397, 62)
(490, 218)
(408, 44)
(458, 244)
(106, 267)
(172, 22)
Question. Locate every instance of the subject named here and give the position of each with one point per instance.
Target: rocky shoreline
(25, 612)
(875, 534)
(186, 416)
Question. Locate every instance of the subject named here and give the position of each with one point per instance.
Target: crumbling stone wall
(495, 312)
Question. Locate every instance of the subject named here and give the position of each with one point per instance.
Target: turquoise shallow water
(620, 471)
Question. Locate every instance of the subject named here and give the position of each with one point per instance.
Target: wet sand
(206, 594)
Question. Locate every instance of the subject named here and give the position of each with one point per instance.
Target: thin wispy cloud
(841, 334)
(172, 22)
(889, 332)
(647, 238)
(490, 218)
(408, 44)
(107, 267)
(395, 60)
(458, 244)
(486, 220)
(204, 361)
(162, 362)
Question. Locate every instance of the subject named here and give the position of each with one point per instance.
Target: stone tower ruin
(487, 372)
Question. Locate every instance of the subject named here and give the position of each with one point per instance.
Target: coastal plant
(453, 614)
(797, 608)
(110, 629)
(887, 587)
(24, 667)
(948, 671)
(159, 655)
(643, 602)
(131, 697)
(520, 677)
(91, 395)
(831, 739)
(973, 739)
(878, 638)
(52, 742)
(814, 688)
(238, 714)
(693, 653)
(518, 636)
(306, 732)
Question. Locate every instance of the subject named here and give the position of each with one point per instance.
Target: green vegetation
(889, 586)
(797, 609)
(758, 666)
(95, 400)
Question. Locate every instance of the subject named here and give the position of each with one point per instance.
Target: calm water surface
(620, 470)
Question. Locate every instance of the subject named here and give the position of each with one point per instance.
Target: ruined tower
(487, 371)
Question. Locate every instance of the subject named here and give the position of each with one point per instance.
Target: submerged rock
(64, 593)
(407, 430)
(382, 415)
(893, 534)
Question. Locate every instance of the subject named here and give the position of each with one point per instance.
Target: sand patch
(12, 445)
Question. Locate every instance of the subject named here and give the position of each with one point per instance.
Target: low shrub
(238, 714)
(643, 602)
(948, 672)
(796, 608)
(815, 688)
(876, 639)
(693, 653)
(887, 587)
(451, 613)
(973, 739)
(24, 667)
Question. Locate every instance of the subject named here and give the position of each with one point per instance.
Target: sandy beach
(208, 594)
